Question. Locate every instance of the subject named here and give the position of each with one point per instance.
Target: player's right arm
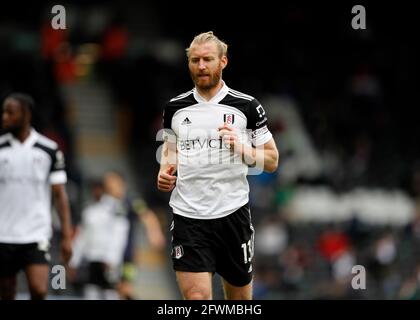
(166, 180)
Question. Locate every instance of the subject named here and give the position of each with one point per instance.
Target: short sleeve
(257, 124)
(167, 117)
(58, 168)
(168, 133)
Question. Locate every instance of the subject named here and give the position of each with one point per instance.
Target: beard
(207, 83)
(13, 130)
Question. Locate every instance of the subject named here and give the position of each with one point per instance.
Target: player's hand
(166, 180)
(66, 249)
(229, 137)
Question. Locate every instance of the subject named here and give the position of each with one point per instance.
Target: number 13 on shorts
(248, 248)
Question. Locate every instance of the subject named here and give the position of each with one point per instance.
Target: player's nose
(201, 65)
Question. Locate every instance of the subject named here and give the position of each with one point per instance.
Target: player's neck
(208, 94)
(23, 134)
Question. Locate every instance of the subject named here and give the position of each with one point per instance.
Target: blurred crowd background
(340, 102)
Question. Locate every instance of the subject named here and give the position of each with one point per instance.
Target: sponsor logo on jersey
(261, 122)
(186, 121)
(259, 132)
(198, 144)
(261, 111)
(60, 164)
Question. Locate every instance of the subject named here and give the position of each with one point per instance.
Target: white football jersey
(103, 234)
(27, 171)
(211, 178)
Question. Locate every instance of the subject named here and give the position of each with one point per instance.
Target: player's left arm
(62, 205)
(265, 156)
(58, 179)
(263, 152)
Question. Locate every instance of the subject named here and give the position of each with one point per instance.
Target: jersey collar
(217, 98)
(29, 141)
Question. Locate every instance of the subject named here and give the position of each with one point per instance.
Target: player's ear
(224, 61)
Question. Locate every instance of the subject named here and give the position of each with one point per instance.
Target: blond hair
(207, 37)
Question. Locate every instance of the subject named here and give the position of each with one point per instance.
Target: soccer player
(106, 239)
(101, 239)
(138, 211)
(212, 135)
(31, 169)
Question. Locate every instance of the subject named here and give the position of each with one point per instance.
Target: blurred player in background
(100, 241)
(31, 168)
(207, 143)
(105, 239)
(138, 210)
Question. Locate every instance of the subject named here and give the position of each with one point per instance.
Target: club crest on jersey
(229, 118)
(178, 252)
